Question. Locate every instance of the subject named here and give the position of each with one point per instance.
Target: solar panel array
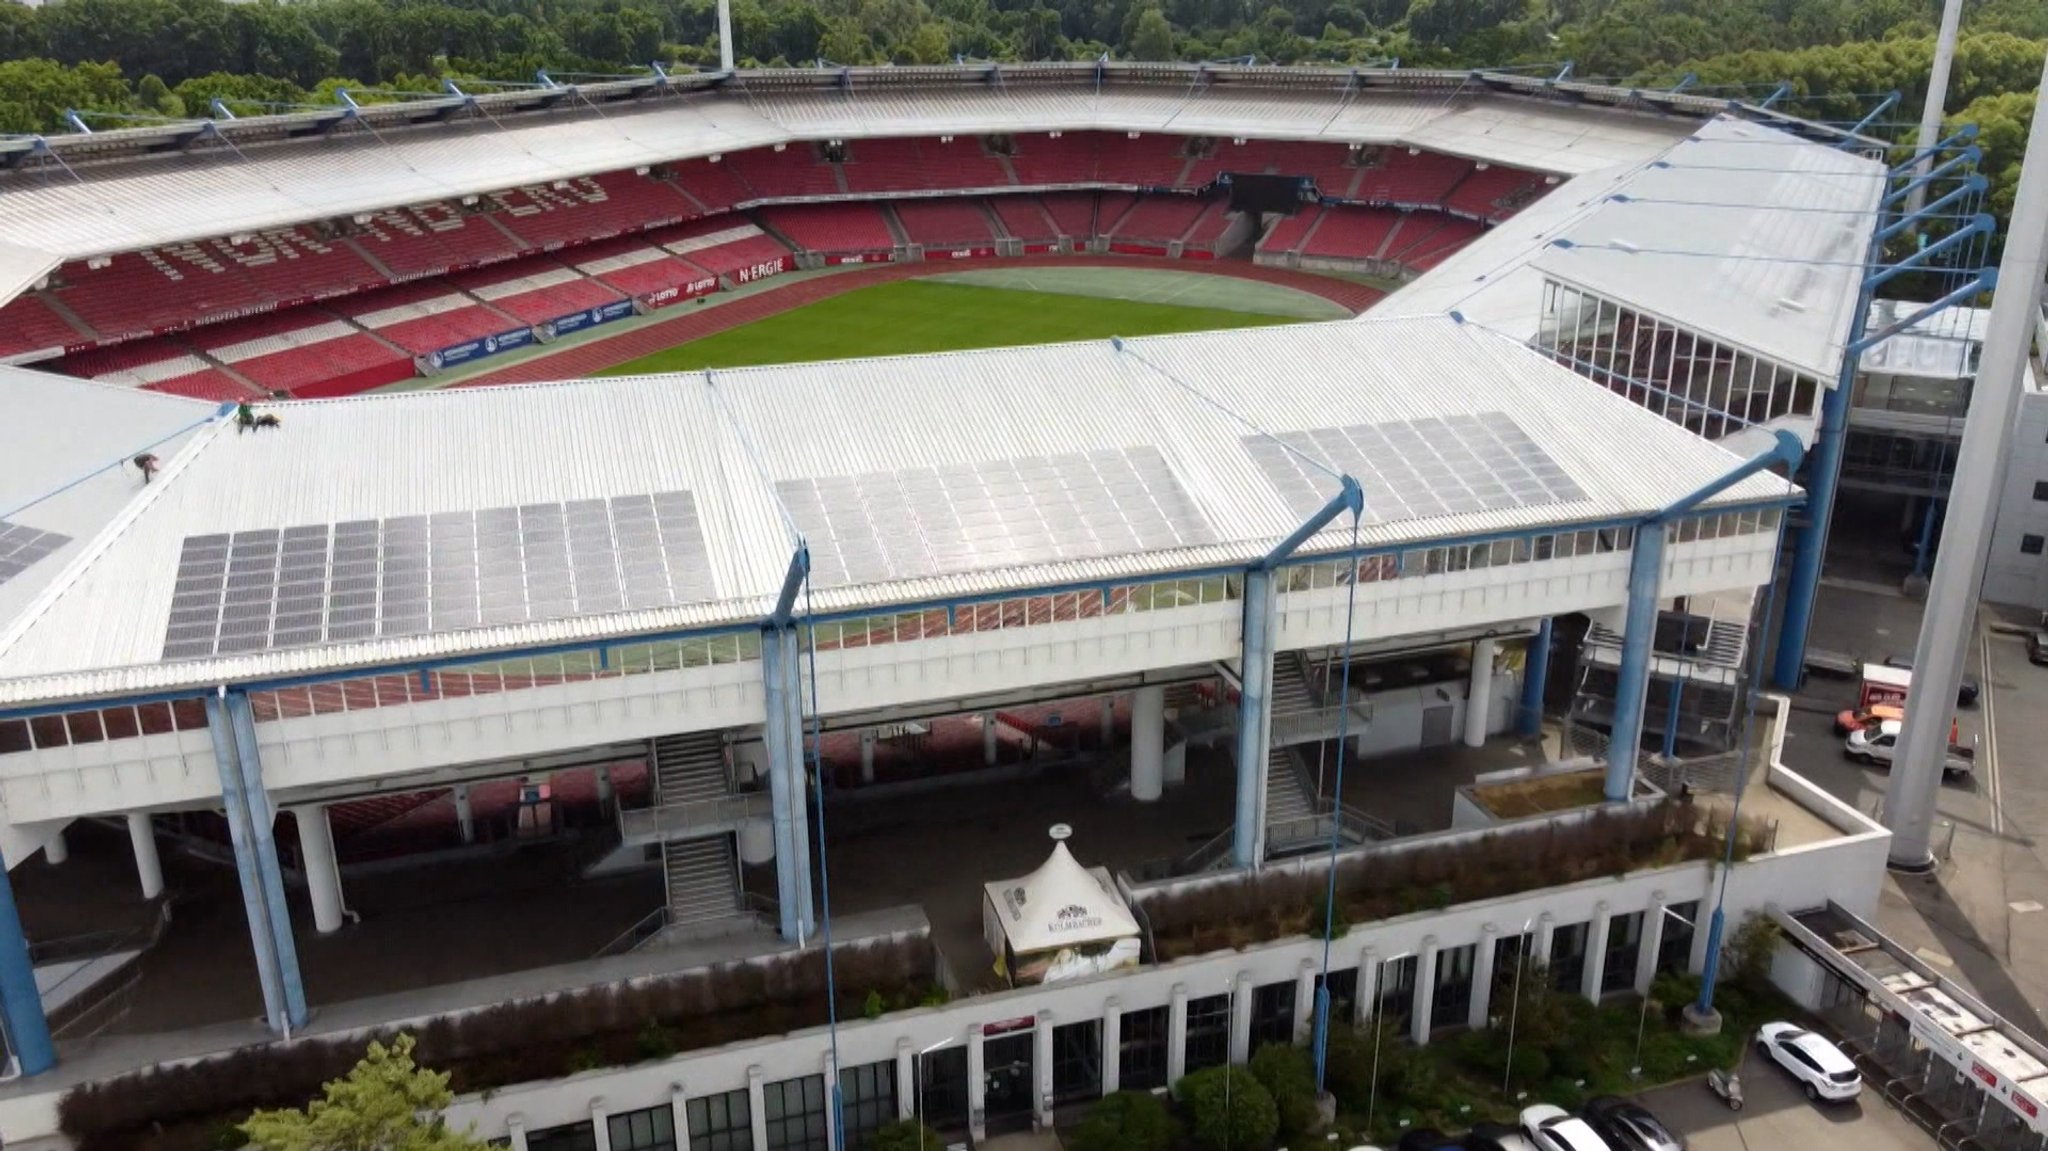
(21, 545)
(415, 575)
(884, 526)
(1415, 469)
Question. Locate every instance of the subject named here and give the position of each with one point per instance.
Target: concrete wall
(1396, 726)
(1802, 879)
(2010, 575)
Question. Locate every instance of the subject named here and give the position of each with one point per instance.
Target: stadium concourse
(463, 697)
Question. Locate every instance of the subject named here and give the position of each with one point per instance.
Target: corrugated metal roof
(1739, 232)
(67, 446)
(1943, 346)
(729, 435)
(132, 205)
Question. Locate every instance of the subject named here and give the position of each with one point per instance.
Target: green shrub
(1125, 1121)
(1347, 1067)
(1289, 1075)
(904, 1135)
(1228, 1109)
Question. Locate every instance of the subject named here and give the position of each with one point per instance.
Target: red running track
(690, 322)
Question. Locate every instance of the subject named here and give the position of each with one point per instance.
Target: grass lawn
(916, 316)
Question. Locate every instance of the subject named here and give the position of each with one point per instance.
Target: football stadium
(744, 608)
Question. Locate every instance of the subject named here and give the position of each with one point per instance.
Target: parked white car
(1555, 1129)
(1819, 1065)
(1876, 745)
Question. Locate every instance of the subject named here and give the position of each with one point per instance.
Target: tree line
(111, 58)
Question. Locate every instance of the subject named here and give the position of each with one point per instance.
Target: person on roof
(245, 417)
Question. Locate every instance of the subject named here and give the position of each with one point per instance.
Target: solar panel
(413, 575)
(883, 526)
(1416, 469)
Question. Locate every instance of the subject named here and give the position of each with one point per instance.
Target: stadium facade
(1588, 419)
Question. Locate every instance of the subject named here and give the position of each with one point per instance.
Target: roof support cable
(1320, 465)
(123, 461)
(754, 457)
(1322, 1007)
(817, 758)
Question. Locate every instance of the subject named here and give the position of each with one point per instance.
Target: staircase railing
(698, 817)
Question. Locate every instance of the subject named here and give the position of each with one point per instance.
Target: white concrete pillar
(977, 1087)
(752, 761)
(149, 866)
(679, 1113)
(599, 1113)
(1424, 1005)
(515, 1130)
(1112, 1045)
(316, 858)
(867, 755)
(465, 816)
(831, 1074)
(1368, 987)
(1108, 720)
(604, 787)
(1479, 695)
(757, 841)
(56, 850)
(1177, 1034)
(1148, 744)
(757, 1104)
(1651, 941)
(988, 739)
(907, 1085)
(1241, 1018)
(1539, 947)
(1482, 977)
(1596, 952)
(1305, 1002)
(1041, 1069)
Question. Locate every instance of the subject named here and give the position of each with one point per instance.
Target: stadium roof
(136, 188)
(1739, 231)
(1021, 468)
(57, 490)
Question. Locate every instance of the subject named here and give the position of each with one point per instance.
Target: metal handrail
(645, 928)
(678, 820)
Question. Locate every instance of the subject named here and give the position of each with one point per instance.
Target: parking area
(1984, 904)
(1776, 1117)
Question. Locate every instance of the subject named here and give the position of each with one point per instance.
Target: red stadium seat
(921, 165)
(1410, 179)
(727, 246)
(797, 170)
(832, 229)
(427, 317)
(954, 223)
(1074, 213)
(1025, 218)
(299, 349)
(434, 238)
(1289, 232)
(29, 324)
(535, 290)
(574, 211)
(1352, 233)
(1494, 193)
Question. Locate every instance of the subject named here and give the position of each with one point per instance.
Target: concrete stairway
(1291, 691)
(703, 884)
(690, 768)
(1287, 793)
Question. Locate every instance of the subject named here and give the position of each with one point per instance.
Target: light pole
(917, 1089)
(1229, 1068)
(1379, 1024)
(1643, 1016)
(1515, 1002)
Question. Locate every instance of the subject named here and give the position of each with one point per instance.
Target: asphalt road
(1776, 1117)
(1983, 905)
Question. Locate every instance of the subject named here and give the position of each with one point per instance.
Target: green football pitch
(930, 315)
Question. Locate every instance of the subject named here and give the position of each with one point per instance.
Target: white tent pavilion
(1062, 921)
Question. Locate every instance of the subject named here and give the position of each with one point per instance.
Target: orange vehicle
(1857, 718)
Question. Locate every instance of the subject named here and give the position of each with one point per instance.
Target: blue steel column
(799, 790)
(263, 820)
(787, 900)
(227, 758)
(1254, 719)
(1645, 573)
(21, 1004)
(1803, 585)
(1535, 672)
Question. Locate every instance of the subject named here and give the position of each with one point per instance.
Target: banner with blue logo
(476, 349)
(587, 318)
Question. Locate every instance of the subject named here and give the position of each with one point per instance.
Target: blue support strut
(263, 820)
(21, 1004)
(227, 759)
(1535, 675)
(1632, 686)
